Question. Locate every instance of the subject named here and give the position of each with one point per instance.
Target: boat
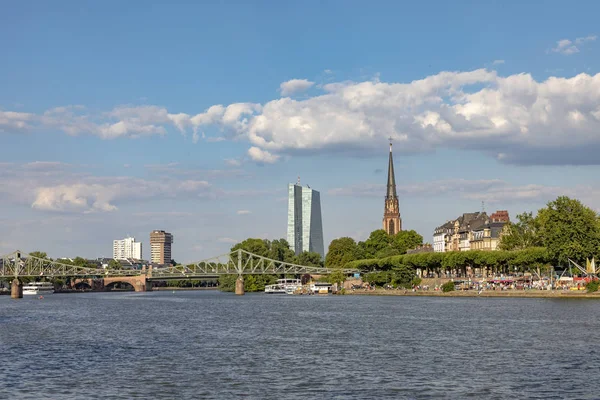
(38, 288)
(283, 286)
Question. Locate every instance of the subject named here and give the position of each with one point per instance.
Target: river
(212, 345)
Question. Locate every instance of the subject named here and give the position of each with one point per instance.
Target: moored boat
(38, 288)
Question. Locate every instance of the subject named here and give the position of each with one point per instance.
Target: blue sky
(117, 118)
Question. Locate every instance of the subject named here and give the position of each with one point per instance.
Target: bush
(593, 286)
(448, 287)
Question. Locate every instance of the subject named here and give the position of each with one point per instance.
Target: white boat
(38, 288)
(283, 286)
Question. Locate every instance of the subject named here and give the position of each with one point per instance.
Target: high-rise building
(392, 223)
(160, 247)
(305, 226)
(127, 248)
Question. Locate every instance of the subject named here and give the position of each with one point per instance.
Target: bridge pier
(239, 285)
(16, 289)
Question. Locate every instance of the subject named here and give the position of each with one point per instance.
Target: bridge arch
(139, 283)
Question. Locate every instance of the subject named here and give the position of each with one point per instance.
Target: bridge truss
(240, 262)
(19, 264)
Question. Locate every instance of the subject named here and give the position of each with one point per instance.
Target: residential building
(442, 236)
(305, 225)
(160, 247)
(392, 223)
(127, 248)
(471, 231)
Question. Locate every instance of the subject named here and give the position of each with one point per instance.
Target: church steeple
(392, 223)
(391, 181)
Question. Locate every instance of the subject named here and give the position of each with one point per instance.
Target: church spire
(391, 181)
(392, 223)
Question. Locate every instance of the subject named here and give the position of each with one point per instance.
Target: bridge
(20, 265)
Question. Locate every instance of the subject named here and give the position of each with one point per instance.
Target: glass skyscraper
(305, 227)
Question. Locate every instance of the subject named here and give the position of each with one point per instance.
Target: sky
(117, 118)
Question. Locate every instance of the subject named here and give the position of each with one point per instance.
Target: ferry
(38, 288)
(283, 286)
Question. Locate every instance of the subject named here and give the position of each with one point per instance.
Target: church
(392, 223)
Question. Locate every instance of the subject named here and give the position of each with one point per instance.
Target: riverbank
(563, 294)
(184, 288)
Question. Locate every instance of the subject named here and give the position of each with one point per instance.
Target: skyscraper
(305, 226)
(127, 248)
(392, 223)
(160, 247)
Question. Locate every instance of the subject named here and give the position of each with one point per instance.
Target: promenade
(533, 293)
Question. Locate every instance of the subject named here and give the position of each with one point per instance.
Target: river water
(207, 344)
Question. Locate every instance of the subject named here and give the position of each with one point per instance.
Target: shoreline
(547, 294)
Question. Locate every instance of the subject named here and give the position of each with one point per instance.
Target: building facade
(392, 223)
(471, 231)
(305, 225)
(160, 247)
(127, 248)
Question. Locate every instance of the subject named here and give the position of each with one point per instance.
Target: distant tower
(392, 223)
(305, 226)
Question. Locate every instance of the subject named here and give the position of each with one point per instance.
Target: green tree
(521, 234)
(309, 258)
(568, 229)
(39, 254)
(342, 251)
(406, 240)
(114, 264)
(280, 250)
(336, 277)
(378, 241)
(260, 247)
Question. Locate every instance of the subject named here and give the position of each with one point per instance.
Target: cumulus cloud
(294, 86)
(514, 119)
(262, 156)
(11, 121)
(568, 47)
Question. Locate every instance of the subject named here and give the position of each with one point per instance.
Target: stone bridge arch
(139, 283)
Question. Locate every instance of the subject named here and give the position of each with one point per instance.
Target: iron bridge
(240, 262)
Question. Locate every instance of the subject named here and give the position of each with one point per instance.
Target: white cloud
(294, 86)
(568, 47)
(262, 156)
(233, 162)
(514, 119)
(243, 212)
(11, 121)
(195, 137)
(498, 62)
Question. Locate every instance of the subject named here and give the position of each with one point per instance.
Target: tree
(568, 229)
(114, 264)
(406, 240)
(522, 234)
(309, 258)
(260, 247)
(342, 251)
(39, 254)
(280, 250)
(336, 277)
(378, 240)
